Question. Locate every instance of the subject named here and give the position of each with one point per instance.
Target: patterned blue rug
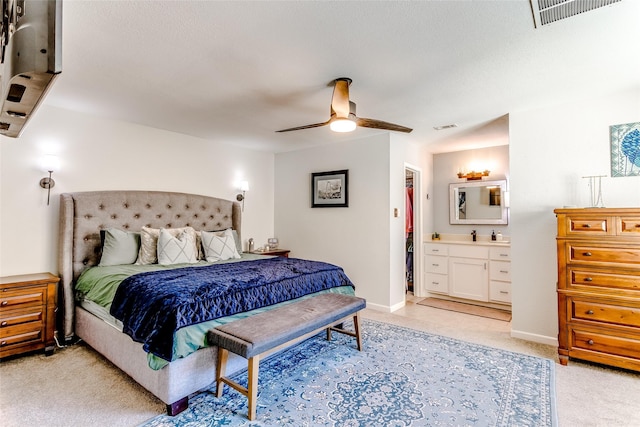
(402, 377)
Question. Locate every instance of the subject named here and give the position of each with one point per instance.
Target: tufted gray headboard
(83, 215)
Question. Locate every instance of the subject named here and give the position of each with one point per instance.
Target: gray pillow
(119, 247)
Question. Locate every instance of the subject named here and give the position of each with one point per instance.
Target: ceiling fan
(343, 113)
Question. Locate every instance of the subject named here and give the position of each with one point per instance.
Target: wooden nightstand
(27, 313)
(274, 252)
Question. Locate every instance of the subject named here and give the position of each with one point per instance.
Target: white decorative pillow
(119, 247)
(148, 253)
(219, 245)
(176, 250)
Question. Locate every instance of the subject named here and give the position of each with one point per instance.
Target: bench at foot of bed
(264, 333)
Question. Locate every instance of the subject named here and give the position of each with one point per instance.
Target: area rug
(403, 377)
(472, 309)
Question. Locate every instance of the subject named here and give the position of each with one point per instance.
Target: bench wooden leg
(223, 355)
(355, 333)
(252, 386)
(356, 327)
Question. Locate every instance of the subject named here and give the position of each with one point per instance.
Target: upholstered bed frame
(82, 216)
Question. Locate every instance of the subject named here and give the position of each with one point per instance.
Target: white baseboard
(527, 336)
(385, 308)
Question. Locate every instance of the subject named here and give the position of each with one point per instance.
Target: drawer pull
(4, 303)
(504, 292)
(435, 250)
(436, 265)
(504, 254)
(3, 343)
(435, 283)
(504, 271)
(588, 279)
(589, 311)
(586, 253)
(590, 342)
(586, 225)
(5, 323)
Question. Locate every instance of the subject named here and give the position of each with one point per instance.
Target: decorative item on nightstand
(272, 243)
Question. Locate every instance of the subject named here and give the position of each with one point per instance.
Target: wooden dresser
(599, 285)
(27, 313)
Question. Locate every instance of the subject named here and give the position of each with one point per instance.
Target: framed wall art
(330, 189)
(625, 149)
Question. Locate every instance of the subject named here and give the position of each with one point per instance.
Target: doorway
(412, 232)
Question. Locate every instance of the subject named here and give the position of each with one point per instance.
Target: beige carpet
(476, 310)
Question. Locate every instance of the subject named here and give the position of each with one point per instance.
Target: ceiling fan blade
(340, 99)
(379, 124)
(315, 125)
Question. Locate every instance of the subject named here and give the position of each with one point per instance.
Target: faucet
(473, 235)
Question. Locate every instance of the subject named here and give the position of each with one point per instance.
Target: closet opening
(409, 232)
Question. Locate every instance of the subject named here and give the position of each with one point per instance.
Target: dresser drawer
(436, 264)
(25, 297)
(612, 313)
(589, 225)
(603, 280)
(500, 270)
(602, 255)
(629, 226)
(604, 342)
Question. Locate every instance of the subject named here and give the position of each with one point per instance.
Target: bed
(175, 374)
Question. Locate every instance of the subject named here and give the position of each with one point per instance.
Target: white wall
(550, 150)
(357, 237)
(445, 168)
(99, 154)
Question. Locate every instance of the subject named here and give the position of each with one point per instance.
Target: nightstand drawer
(17, 317)
(26, 297)
(20, 335)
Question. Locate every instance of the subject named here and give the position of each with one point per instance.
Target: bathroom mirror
(479, 202)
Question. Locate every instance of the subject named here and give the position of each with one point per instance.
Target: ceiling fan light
(342, 125)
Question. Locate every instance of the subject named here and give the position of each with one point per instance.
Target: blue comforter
(155, 304)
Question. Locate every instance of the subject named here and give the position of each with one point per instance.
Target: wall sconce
(472, 176)
(244, 187)
(49, 163)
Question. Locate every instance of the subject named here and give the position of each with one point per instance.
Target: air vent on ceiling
(549, 11)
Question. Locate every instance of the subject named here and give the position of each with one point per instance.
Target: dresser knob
(588, 279)
(4, 324)
(590, 342)
(4, 303)
(3, 343)
(589, 311)
(587, 254)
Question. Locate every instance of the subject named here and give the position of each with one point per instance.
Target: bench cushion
(256, 334)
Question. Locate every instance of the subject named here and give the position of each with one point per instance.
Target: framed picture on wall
(330, 189)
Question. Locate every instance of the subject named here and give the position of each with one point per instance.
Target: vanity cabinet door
(469, 278)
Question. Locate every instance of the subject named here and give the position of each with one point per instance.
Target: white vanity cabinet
(469, 272)
(478, 272)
